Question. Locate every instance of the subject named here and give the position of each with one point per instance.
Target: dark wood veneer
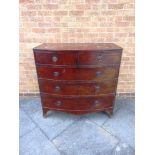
(98, 73)
(77, 103)
(99, 58)
(78, 88)
(78, 78)
(55, 58)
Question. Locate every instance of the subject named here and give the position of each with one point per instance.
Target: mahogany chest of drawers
(77, 78)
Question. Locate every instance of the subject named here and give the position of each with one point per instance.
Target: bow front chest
(77, 78)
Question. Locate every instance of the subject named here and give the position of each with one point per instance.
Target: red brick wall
(76, 21)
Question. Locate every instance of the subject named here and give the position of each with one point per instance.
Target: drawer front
(96, 103)
(58, 88)
(81, 103)
(99, 58)
(59, 102)
(61, 88)
(99, 88)
(99, 73)
(56, 73)
(55, 58)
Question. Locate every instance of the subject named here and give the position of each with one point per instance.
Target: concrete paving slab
(123, 149)
(85, 138)
(122, 125)
(98, 118)
(128, 103)
(25, 123)
(30, 105)
(35, 143)
(55, 123)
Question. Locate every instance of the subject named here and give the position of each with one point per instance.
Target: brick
(94, 13)
(129, 18)
(108, 12)
(107, 24)
(76, 13)
(44, 13)
(54, 30)
(131, 34)
(38, 30)
(92, 1)
(129, 6)
(50, 6)
(121, 35)
(115, 6)
(112, 1)
(60, 13)
(28, 13)
(118, 18)
(26, 1)
(83, 7)
(122, 24)
(44, 24)
(83, 19)
(34, 7)
(51, 1)
(37, 19)
(98, 6)
(73, 30)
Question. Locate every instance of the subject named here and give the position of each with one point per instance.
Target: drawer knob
(100, 58)
(97, 88)
(56, 74)
(97, 103)
(54, 58)
(98, 73)
(57, 88)
(58, 103)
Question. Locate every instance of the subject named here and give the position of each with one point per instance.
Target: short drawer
(55, 58)
(77, 103)
(98, 88)
(99, 73)
(96, 103)
(57, 102)
(100, 58)
(77, 88)
(56, 73)
(58, 88)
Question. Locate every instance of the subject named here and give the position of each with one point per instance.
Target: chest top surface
(78, 46)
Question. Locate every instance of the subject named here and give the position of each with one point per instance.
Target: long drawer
(77, 88)
(97, 74)
(77, 103)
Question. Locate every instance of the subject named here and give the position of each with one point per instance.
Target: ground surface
(64, 134)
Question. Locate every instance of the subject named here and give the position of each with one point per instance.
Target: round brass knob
(56, 74)
(97, 103)
(58, 103)
(54, 58)
(98, 73)
(97, 88)
(57, 88)
(100, 58)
